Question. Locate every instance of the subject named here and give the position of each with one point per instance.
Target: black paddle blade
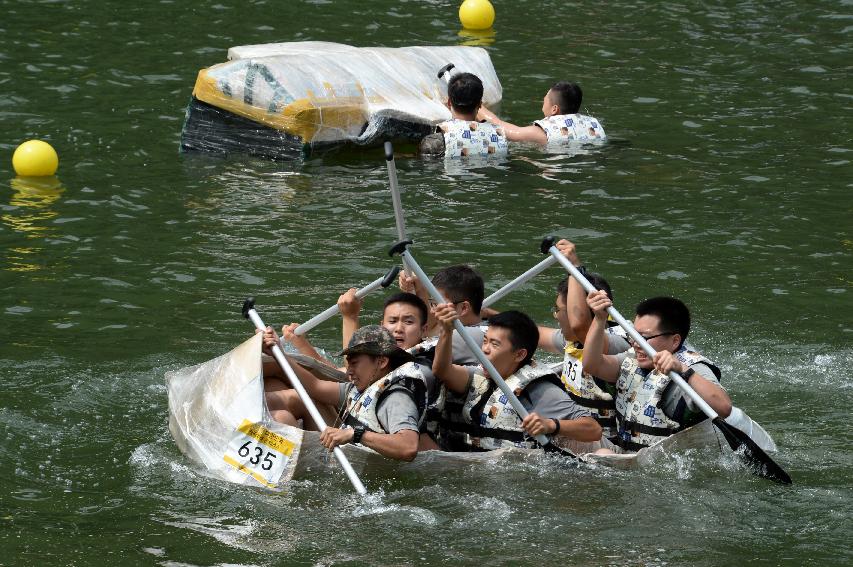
(753, 454)
(553, 449)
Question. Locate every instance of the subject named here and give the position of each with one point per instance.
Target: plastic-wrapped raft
(283, 100)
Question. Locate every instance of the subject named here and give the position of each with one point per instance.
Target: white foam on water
(374, 504)
(228, 530)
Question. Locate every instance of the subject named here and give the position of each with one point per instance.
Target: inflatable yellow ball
(35, 159)
(477, 14)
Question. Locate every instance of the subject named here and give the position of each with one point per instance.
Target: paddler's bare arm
(302, 344)
(350, 307)
(453, 376)
(322, 391)
(716, 397)
(595, 362)
(402, 446)
(580, 429)
(546, 339)
(512, 132)
(577, 310)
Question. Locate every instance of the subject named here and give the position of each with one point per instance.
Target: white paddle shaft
(475, 348)
(309, 403)
(334, 309)
(534, 271)
(399, 219)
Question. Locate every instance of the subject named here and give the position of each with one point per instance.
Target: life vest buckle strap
(588, 403)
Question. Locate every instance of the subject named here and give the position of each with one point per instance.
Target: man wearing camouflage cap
(382, 405)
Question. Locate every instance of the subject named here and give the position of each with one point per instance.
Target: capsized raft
(218, 418)
(282, 100)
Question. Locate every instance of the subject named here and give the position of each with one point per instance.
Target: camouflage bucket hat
(375, 340)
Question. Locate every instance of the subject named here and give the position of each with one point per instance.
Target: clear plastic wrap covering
(218, 418)
(702, 435)
(320, 93)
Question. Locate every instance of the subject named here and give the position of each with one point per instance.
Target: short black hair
(408, 299)
(567, 96)
(461, 283)
(465, 92)
(523, 332)
(673, 314)
(597, 280)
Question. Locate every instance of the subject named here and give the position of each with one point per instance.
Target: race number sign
(259, 453)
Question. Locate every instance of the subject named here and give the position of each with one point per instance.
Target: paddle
(384, 281)
(401, 223)
(250, 313)
(395, 197)
(444, 72)
(535, 270)
(752, 453)
(401, 248)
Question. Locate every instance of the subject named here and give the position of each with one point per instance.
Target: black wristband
(687, 374)
(358, 433)
(556, 425)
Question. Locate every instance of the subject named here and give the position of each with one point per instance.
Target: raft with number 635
(219, 420)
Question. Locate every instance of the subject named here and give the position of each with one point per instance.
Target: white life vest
(568, 128)
(639, 414)
(360, 407)
(426, 348)
(588, 391)
(486, 420)
(425, 351)
(464, 138)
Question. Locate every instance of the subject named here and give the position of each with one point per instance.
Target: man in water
(562, 124)
(464, 135)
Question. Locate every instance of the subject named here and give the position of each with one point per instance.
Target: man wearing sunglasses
(649, 407)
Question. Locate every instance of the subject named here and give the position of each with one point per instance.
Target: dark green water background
(726, 182)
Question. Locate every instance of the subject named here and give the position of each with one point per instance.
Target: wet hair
(408, 299)
(597, 280)
(673, 314)
(465, 92)
(567, 96)
(432, 145)
(461, 283)
(523, 332)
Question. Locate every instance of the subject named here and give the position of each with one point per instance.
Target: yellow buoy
(35, 158)
(477, 14)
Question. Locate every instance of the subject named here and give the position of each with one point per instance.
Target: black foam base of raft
(212, 130)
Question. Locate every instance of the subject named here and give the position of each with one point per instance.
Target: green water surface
(726, 182)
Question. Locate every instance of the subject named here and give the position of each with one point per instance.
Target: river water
(726, 182)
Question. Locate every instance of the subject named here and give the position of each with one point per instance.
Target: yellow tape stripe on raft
(303, 117)
(267, 437)
(249, 472)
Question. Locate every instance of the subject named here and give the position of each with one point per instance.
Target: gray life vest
(483, 419)
(360, 407)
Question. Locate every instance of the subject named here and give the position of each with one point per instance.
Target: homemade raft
(282, 100)
(218, 418)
